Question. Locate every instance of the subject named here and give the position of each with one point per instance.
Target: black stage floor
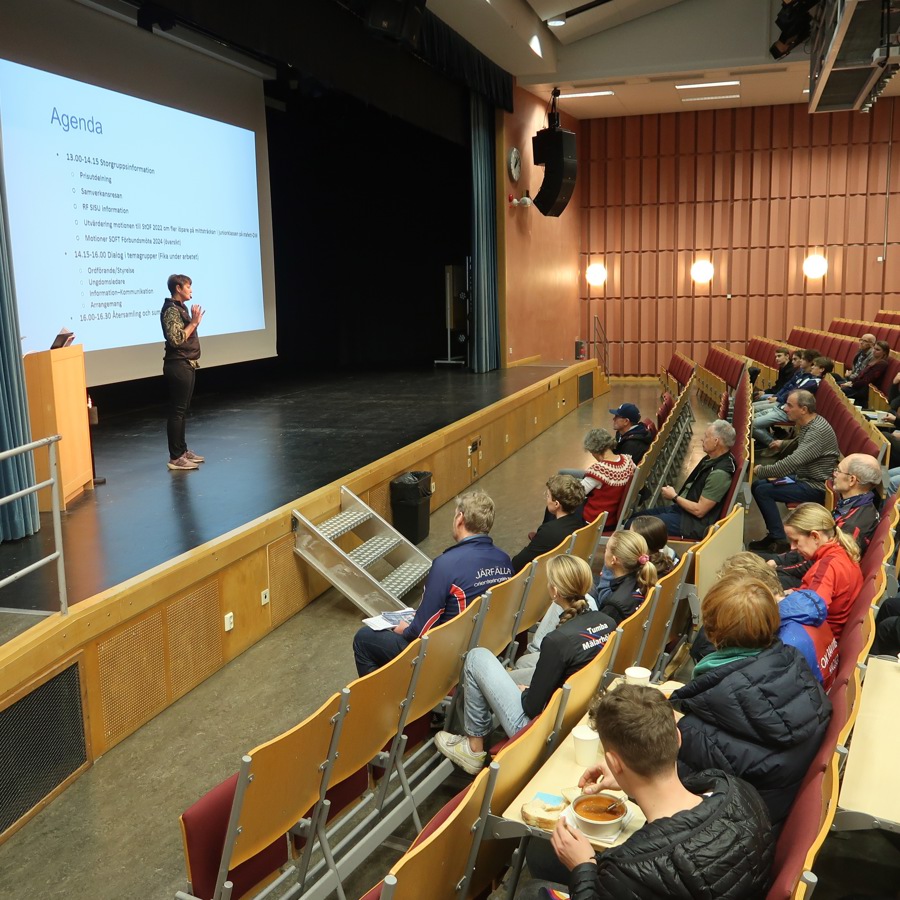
(265, 446)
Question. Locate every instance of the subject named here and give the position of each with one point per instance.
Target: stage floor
(266, 445)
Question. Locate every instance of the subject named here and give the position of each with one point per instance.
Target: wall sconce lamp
(815, 266)
(596, 274)
(702, 271)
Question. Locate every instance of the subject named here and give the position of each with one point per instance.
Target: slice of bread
(540, 814)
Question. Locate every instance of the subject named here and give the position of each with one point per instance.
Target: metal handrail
(57, 556)
(600, 345)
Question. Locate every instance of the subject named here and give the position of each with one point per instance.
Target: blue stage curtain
(485, 338)
(19, 518)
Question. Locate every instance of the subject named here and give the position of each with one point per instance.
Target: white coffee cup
(637, 675)
(587, 745)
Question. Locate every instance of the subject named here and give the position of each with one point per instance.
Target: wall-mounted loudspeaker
(555, 150)
(399, 20)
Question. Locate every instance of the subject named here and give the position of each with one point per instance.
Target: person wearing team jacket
(458, 576)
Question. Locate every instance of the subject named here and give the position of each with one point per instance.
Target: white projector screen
(109, 191)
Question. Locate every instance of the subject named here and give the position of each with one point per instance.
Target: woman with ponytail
(834, 575)
(488, 689)
(634, 575)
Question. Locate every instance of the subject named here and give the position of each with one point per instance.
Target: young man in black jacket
(565, 497)
(705, 839)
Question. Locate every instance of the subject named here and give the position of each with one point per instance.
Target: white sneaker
(456, 748)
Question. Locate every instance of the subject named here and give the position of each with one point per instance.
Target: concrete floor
(115, 833)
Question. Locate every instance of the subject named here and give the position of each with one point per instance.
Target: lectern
(57, 404)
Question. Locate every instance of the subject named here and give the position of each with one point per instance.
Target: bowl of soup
(599, 815)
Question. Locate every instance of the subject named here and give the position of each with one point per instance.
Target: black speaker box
(555, 149)
(399, 20)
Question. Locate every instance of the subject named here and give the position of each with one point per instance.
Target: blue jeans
(763, 421)
(372, 649)
(768, 495)
(670, 514)
(488, 689)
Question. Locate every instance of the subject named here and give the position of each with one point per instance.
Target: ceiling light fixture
(703, 99)
(556, 23)
(587, 94)
(705, 84)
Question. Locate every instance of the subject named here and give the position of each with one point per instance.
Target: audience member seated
(488, 689)
(887, 628)
(857, 388)
(459, 575)
(699, 502)
(834, 575)
(564, 497)
(863, 356)
(653, 530)
(855, 480)
(800, 472)
(785, 372)
(707, 836)
(634, 575)
(802, 360)
(632, 435)
(753, 708)
(661, 556)
(606, 482)
(803, 619)
(763, 421)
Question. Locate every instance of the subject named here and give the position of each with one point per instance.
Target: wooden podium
(57, 404)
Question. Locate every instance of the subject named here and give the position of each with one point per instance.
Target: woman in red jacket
(835, 574)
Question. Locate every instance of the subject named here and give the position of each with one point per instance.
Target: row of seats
(889, 316)
(854, 432)
(727, 364)
(680, 368)
(276, 808)
(856, 328)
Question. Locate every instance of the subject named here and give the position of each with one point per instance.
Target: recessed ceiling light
(701, 99)
(556, 23)
(705, 84)
(587, 94)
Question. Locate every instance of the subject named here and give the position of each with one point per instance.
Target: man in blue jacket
(458, 576)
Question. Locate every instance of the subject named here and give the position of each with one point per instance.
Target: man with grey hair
(699, 502)
(458, 576)
(799, 473)
(856, 478)
(863, 356)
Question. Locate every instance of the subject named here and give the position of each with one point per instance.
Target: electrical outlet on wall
(264, 597)
(229, 621)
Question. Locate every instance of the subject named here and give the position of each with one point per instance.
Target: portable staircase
(375, 574)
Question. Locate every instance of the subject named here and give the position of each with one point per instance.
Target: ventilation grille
(585, 387)
(132, 677)
(288, 583)
(194, 638)
(378, 500)
(42, 743)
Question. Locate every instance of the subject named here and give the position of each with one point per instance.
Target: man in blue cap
(632, 435)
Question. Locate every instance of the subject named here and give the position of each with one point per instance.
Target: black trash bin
(411, 505)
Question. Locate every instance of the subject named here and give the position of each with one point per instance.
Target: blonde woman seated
(489, 690)
(633, 576)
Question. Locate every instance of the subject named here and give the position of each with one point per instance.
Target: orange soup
(597, 809)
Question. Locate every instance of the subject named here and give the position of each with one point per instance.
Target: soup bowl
(593, 816)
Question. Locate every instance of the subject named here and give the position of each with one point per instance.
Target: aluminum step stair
(359, 573)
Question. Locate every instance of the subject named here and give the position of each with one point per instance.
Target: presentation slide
(107, 195)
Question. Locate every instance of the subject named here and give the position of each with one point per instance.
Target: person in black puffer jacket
(753, 707)
(708, 838)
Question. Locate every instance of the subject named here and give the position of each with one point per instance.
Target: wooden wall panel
(755, 191)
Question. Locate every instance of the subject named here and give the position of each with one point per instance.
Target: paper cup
(587, 745)
(637, 675)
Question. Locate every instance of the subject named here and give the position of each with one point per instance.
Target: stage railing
(57, 555)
